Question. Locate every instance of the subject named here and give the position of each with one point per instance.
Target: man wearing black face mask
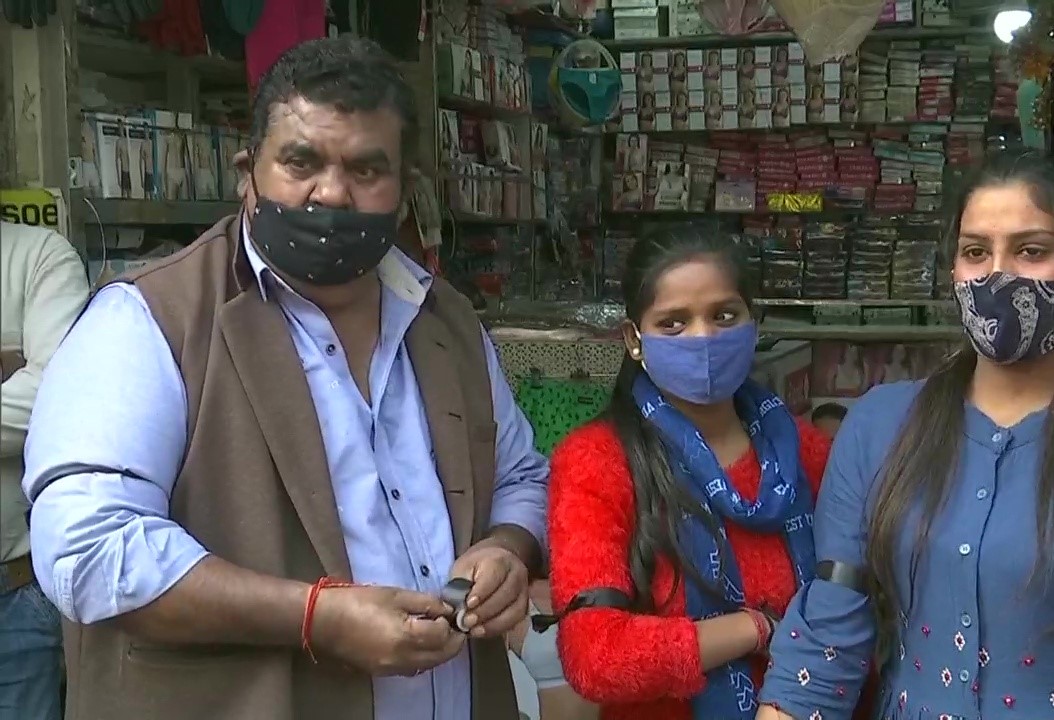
(256, 464)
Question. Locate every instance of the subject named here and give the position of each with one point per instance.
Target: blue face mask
(702, 369)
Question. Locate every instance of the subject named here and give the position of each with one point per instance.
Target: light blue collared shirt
(113, 397)
(974, 637)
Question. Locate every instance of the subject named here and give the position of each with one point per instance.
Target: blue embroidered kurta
(978, 641)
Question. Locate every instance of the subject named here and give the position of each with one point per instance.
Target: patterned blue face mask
(702, 369)
(1008, 318)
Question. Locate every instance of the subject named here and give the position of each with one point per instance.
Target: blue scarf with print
(784, 505)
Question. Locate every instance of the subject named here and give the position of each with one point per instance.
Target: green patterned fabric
(556, 406)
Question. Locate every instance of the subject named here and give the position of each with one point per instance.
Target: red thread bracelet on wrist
(323, 583)
(763, 627)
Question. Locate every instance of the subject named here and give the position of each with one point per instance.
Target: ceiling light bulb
(1009, 22)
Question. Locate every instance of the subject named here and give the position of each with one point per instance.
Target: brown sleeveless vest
(255, 490)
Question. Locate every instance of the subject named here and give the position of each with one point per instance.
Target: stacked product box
(936, 100)
(754, 85)
(929, 156)
(858, 170)
(905, 61)
(974, 82)
(914, 269)
(205, 163)
(702, 162)
(172, 154)
(815, 161)
(873, 82)
(635, 19)
(849, 105)
(872, 243)
(730, 97)
(935, 13)
(666, 184)
(1004, 100)
(686, 20)
(631, 163)
(965, 144)
(777, 167)
(118, 159)
(896, 12)
(646, 99)
(782, 258)
(680, 90)
(781, 86)
(736, 190)
(696, 86)
(826, 256)
(831, 93)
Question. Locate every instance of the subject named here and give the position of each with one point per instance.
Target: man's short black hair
(829, 411)
(347, 73)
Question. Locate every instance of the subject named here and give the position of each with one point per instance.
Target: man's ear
(241, 161)
(241, 165)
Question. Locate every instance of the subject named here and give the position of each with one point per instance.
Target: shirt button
(997, 437)
(331, 349)
(425, 571)
(966, 620)
(982, 494)
(964, 675)
(964, 549)
(396, 494)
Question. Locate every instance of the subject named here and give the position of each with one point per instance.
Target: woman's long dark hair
(923, 462)
(660, 501)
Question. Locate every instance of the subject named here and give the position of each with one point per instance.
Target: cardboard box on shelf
(171, 154)
(204, 163)
(115, 156)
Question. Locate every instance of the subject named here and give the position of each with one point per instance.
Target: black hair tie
(455, 594)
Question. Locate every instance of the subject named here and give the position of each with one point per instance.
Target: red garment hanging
(283, 24)
(176, 28)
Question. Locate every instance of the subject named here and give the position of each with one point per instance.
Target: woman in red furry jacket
(681, 521)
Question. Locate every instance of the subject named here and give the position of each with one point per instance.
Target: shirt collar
(397, 272)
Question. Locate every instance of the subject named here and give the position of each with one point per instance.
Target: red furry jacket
(644, 667)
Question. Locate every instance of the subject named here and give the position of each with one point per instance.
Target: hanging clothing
(283, 25)
(177, 28)
(222, 38)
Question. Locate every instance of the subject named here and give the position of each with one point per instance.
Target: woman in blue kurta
(937, 509)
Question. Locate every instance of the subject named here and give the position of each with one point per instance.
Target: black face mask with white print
(317, 244)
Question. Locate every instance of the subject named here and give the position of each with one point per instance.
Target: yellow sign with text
(34, 206)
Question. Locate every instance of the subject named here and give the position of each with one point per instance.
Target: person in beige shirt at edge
(43, 288)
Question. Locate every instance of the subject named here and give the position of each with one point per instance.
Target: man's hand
(383, 630)
(498, 599)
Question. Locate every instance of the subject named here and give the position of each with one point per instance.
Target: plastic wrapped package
(781, 271)
(829, 29)
(826, 260)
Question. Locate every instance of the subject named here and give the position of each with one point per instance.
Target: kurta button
(997, 437)
(425, 571)
(982, 494)
(964, 675)
(396, 494)
(966, 620)
(331, 349)
(964, 549)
